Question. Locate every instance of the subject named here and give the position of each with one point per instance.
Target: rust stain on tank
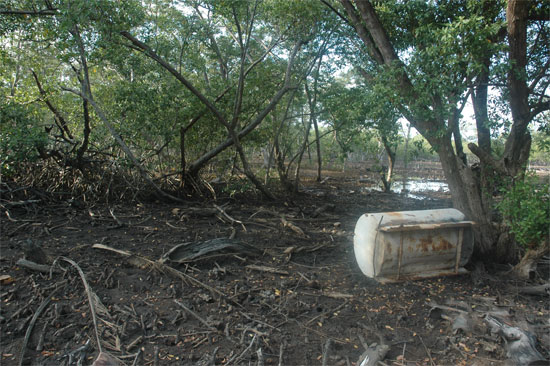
(425, 243)
(388, 248)
(410, 240)
(395, 214)
(441, 245)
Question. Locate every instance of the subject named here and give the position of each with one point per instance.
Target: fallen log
(541, 290)
(35, 266)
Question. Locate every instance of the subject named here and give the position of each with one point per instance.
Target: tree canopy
(167, 90)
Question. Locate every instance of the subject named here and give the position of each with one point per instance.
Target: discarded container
(404, 245)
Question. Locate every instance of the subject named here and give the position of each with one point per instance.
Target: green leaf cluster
(20, 136)
(525, 208)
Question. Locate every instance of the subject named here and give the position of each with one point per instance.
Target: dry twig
(266, 269)
(222, 211)
(93, 301)
(195, 315)
(326, 351)
(293, 227)
(31, 324)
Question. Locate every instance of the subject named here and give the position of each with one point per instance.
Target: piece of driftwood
(20, 203)
(337, 295)
(226, 215)
(433, 305)
(35, 266)
(520, 345)
(540, 290)
(119, 223)
(188, 252)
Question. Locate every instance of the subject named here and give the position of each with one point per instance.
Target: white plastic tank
(402, 245)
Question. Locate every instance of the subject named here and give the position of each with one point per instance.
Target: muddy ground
(277, 302)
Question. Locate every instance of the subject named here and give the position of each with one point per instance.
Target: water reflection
(413, 187)
(421, 186)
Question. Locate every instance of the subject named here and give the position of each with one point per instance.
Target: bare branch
(340, 15)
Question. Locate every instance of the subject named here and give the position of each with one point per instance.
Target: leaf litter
(245, 282)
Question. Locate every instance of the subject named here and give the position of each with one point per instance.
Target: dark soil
(241, 315)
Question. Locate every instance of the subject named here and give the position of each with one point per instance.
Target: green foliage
(540, 148)
(440, 43)
(237, 187)
(525, 207)
(20, 136)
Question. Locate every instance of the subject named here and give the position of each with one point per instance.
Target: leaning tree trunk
(467, 195)
(468, 186)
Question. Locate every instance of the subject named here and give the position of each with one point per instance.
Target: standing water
(413, 187)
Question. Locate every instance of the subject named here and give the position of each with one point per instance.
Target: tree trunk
(387, 180)
(518, 144)
(86, 138)
(312, 102)
(467, 195)
(406, 159)
(275, 151)
(280, 164)
(318, 144)
(300, 156)
(182, 156)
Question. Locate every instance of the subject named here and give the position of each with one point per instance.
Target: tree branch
(122, 144)
(150, 53)
(539, 108)
(487, 158)
(197, 164)
(335, 11)
(58, 117)
(16, 12)
(362, 32)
